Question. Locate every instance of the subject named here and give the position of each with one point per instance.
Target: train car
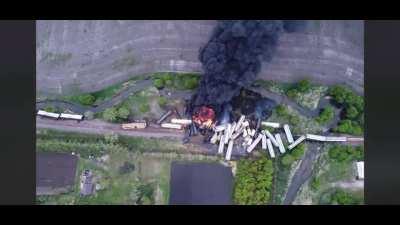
(43, 113)
(171, 126)
(181, 121)
(296, 142)
(315, 137)
(336, 139)
(271, 124)
(134, 125)
(71, 116)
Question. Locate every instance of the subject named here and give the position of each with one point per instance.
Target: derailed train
(57, 116)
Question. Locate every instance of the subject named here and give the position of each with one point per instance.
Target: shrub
(298, 151)
(281, 111)
(287, 160)
(326, 115)
(162, 101)
(351, 112)
(50, 109)
(344, 198)
(292, 93)
(158, 83)
(110, 114)
(315, 184)
(294, 120)
(86, 99)
(143, 108)
(123, 112)
(169, 83)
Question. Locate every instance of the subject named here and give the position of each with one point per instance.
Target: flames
(204, 117)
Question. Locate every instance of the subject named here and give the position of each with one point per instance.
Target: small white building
(360, 170)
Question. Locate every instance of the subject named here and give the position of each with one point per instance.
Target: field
(128, 171)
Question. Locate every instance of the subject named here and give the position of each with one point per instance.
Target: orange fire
(204, 117)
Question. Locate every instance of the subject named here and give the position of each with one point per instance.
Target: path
(303, 173)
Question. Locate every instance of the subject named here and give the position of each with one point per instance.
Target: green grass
(93, 144)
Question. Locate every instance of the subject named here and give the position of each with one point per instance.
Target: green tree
(191, 83)
(110, 114)
(303, 86)
(339, 93)
(253, 181)
(349, 127)
(344, 198)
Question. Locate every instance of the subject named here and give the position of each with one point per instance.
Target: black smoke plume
(232, 58)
